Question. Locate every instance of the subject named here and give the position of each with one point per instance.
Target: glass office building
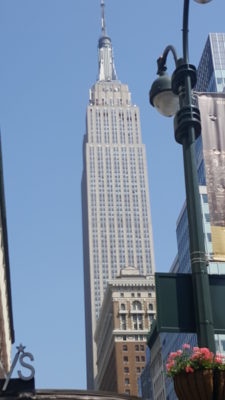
(211, 70)
(211, 78)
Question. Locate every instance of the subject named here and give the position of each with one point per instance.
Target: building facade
(125, 319)
(210, 78)
(165, 343)
(117, 228)
(144, 382)
(6, 318)
(211, 69)
(174, 341)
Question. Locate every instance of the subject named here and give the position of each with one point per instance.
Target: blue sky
(48, 62)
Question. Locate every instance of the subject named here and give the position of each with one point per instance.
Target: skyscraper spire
(107, 71)
(103, 18)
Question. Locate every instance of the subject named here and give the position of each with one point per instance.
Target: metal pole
(200, 280)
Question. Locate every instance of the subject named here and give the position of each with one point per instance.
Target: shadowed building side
(6, 317)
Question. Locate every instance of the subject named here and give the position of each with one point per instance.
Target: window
(127, 391)
(209, 237)
(207, 218)
(205, 198)
(143, 358)
(139, 294)
(137, 305)
(151, 317)
(121, 294)
(137, 347)
(125, 359)
(135, 325)
(150, 306)
(127, 381)
(123, 307)
(137, 358)
(123, 323)
(124, 347)
(138, 369)
(137, 321)
(142, 347)
(126, 370)
(132, 294)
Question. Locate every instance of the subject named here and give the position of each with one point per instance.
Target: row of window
(138, 347)
(137, 359)
(136, 305)
(133, 294)
(137, 321)
(138, 370)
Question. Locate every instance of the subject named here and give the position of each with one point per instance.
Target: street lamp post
(170, 96)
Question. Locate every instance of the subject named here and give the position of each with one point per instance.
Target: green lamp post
(172, 95)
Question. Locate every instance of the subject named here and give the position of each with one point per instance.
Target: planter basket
(206, 384)
(219, 385)
(194, 386)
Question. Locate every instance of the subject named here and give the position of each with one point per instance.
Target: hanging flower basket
(195, 386)
(219, 384)
(198, 374)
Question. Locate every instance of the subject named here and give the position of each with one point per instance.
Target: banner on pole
(212, 108)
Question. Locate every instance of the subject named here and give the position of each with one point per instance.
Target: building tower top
(107, 71)
(103, 18)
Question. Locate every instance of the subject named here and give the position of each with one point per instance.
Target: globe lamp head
(161, 96)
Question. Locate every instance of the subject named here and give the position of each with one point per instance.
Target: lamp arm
(162, 60)
(185, 31)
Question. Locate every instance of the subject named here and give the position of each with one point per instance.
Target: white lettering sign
(19, 356)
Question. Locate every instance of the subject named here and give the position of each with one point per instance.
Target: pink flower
(172, 355)
(195, 349)
(187, 360)
(218, 360)
(189, 369)
(169, 365)
(204, 350)
(194, 357)
(219, 355)
(205, 354)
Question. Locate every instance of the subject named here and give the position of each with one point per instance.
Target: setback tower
(117, 230)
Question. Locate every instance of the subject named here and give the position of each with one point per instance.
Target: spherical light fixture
(161, 96)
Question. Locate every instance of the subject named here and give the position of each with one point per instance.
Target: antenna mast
(103, 18)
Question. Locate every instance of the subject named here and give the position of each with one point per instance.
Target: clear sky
(48, 62)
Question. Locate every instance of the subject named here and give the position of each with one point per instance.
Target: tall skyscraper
(211, 69)
(117, 230)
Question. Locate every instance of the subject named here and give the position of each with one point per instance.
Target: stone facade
(125, 319)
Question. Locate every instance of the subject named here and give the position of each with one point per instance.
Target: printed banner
(212, 108)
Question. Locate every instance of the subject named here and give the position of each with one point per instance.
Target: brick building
(124, 322)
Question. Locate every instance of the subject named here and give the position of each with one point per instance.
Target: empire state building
(117, 229)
